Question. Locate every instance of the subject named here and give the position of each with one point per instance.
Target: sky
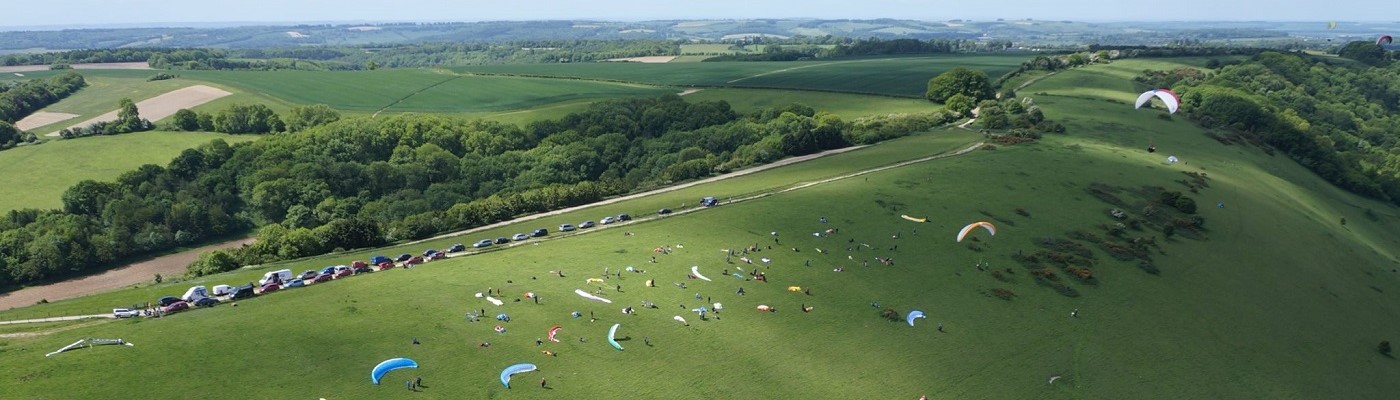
(20, 13)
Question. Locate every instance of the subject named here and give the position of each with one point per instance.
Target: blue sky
(20, 13)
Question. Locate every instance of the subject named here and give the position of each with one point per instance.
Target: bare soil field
(42, 118)
(647, 59)
(126, 65)
(165, 105)
(171, 265)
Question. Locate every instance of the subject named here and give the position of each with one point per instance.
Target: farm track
(401, 99)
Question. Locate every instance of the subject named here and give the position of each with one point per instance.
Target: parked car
(663, 211)
(308, 274)
(607, 220)
(206, 302)
(403, 257)
(125, 313)
(502, 240)
(709, 202)
(624, 217)
(437, 256)
(341, 273)
(322, 278)
(358, 263)
(167, 300)
(242, 292)
(363, 270)
(540, 232)
(566, 227)
(520, 236)
(586, 224)
(414, 261)
(482, 243)
(176, 306)
(328, 270)
(386, 265)
(429, 252)
(271, 287)
(296, 283)
(376, 260)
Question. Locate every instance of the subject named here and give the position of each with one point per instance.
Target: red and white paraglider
(968, 229)
(1167, 96)
(553, 331)
(1383, 40)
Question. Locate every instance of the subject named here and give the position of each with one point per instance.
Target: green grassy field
(105, 88)
(1279, 300)
(39, 174)
(901, 76)
(845, 105)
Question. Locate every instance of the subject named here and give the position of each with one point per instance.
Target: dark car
(456, 248)
(482, 243)
(586, 224)
(430, 252)
(328, 270)
(363, 270)
(242, 292)
(176, 306)
(167, 300)
(322, 278)
(624, 217)
(403, 257)
(206, 302)
(663, 211)
(709, 202)
(376, 260)
(502, 240)
(414, 261)
(540, 232)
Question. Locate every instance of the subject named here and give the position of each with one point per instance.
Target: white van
(280, 276)
(195, 293)
(222, 290)
(125, 313)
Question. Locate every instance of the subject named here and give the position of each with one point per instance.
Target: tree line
(363, 182)
(19, 99)
(1338, 119)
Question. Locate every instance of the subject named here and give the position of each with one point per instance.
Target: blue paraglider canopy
(515, 369)
(612, 337)
(914, 315)
(390, 365)
(576, 314)
(502, 317)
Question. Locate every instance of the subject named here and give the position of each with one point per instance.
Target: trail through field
(169, 265)
(779, 71)
(424, 89)
(42, 118)
(689, 91)
(99, 319)
(164, 105)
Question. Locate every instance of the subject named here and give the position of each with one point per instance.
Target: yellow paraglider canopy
(919, 220)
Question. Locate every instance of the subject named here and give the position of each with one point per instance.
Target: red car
(341, 273)
(176, 306)
(414, 261)
(358, 264)
(386, 265)
(437, 256)
(271, 287)
(322, 278)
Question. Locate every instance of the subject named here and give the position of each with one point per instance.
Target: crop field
(1272, 298)
(105, 88)
(844, 105)
(901, 76)
(39, 174)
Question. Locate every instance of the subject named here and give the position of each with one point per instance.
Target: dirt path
(171, 265)
(100, 319)
(689, 91)
(165, 105)
(41, 118)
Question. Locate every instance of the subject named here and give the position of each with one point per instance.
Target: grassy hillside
(1275, 299)
(105, 88)
(902, 76)
(38, 175)
(845, 105)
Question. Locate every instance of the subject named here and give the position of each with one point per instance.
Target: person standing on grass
(418, 381)
(543, 383)
(408, 384)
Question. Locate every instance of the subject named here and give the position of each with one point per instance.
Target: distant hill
(1022, 31)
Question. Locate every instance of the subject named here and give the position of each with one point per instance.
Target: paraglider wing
(916, 314)
(585, 295)
(553, 331)
(1168, 97)
(390, 365)
(515, 369)
(1384, 39)
(679, 318)
(984, 224)
(919, 220)
(1332, 25)
(695, 270)
(612, 337)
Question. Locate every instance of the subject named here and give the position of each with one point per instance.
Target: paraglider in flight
(984, 224)
(1168, 97)
(914, 315)
(390, 365)
(553, 331)
(515, 369)
(1383, 40)
(612, 337)
(1332, 25)
(919, 220)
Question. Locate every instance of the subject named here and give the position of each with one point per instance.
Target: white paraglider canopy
(1172, 160)
(1168, 97)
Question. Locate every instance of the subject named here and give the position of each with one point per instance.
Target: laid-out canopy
(390, 365)
(1172, 160)
(586, 295)
(89, 343)
(919, 220)
(681, 319)
(554, 331)
(916, 314)
(612, 336)
(695, 270)
(515, 369)
(984, 224)
(1167, 96)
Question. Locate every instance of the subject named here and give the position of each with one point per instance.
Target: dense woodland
(1336, 117)
(363, 182)
(19, 99)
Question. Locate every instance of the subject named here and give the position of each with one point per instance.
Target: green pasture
(40, 173)
(105, 88)
(1278, 299)
(845, 105)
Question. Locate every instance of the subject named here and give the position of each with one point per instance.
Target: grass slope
(38, 175)
(1279, 301)
(105, 88)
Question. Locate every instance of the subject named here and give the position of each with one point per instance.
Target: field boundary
(690, 85)
(401, 99)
